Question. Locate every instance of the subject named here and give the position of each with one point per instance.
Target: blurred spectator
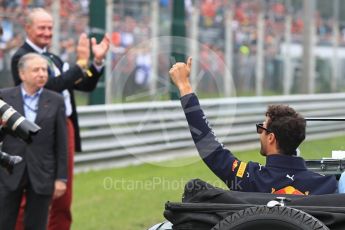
(132, 25)
(68, 53)
(143, 68)
(8, 42)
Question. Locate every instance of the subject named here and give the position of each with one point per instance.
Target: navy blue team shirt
(282, 174)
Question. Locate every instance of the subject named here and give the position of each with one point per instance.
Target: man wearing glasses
(280, 134)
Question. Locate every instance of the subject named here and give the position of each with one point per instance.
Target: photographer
(280, 134)
(42, 175)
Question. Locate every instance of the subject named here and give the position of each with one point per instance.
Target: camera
(7, 161)
(16, 124)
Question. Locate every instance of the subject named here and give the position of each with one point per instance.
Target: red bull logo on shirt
(289, 190)
(234, 165)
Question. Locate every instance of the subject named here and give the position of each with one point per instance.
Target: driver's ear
(271, 138)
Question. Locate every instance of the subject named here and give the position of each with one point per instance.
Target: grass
(133, 197)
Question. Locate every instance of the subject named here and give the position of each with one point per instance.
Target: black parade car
(205, 207)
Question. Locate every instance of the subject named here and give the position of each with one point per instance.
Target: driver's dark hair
(288, 127)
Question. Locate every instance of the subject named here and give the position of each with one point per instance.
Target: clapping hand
(100, 50)
(83, 48)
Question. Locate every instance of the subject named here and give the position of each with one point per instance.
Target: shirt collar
(285, 161)
(35, 47)
(26, 95)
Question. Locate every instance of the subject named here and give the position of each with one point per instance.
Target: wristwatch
(82, 63)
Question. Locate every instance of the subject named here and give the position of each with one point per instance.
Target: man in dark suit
(64, 79)
(82, 76)
(43, 172)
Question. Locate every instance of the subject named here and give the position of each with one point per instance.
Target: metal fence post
(308, 62)
(178, 29)
(97, 29)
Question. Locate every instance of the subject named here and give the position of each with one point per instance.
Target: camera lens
(7, 161)
(15, 122)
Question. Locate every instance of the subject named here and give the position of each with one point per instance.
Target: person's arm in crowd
(66, 80)
(81, 76)
(94, 70)
(14, 42)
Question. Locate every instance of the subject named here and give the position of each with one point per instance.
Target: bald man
(63, 78)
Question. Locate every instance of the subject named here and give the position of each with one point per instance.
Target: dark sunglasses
(260, 128)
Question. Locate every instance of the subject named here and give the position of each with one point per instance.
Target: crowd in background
(131, 26)
(73, 19)
(245, 39)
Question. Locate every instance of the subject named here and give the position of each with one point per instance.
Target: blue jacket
(282, 174)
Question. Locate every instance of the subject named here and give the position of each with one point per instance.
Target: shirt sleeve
(219, 159)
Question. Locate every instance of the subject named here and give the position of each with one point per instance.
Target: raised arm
(66, 80)
(220, 160)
